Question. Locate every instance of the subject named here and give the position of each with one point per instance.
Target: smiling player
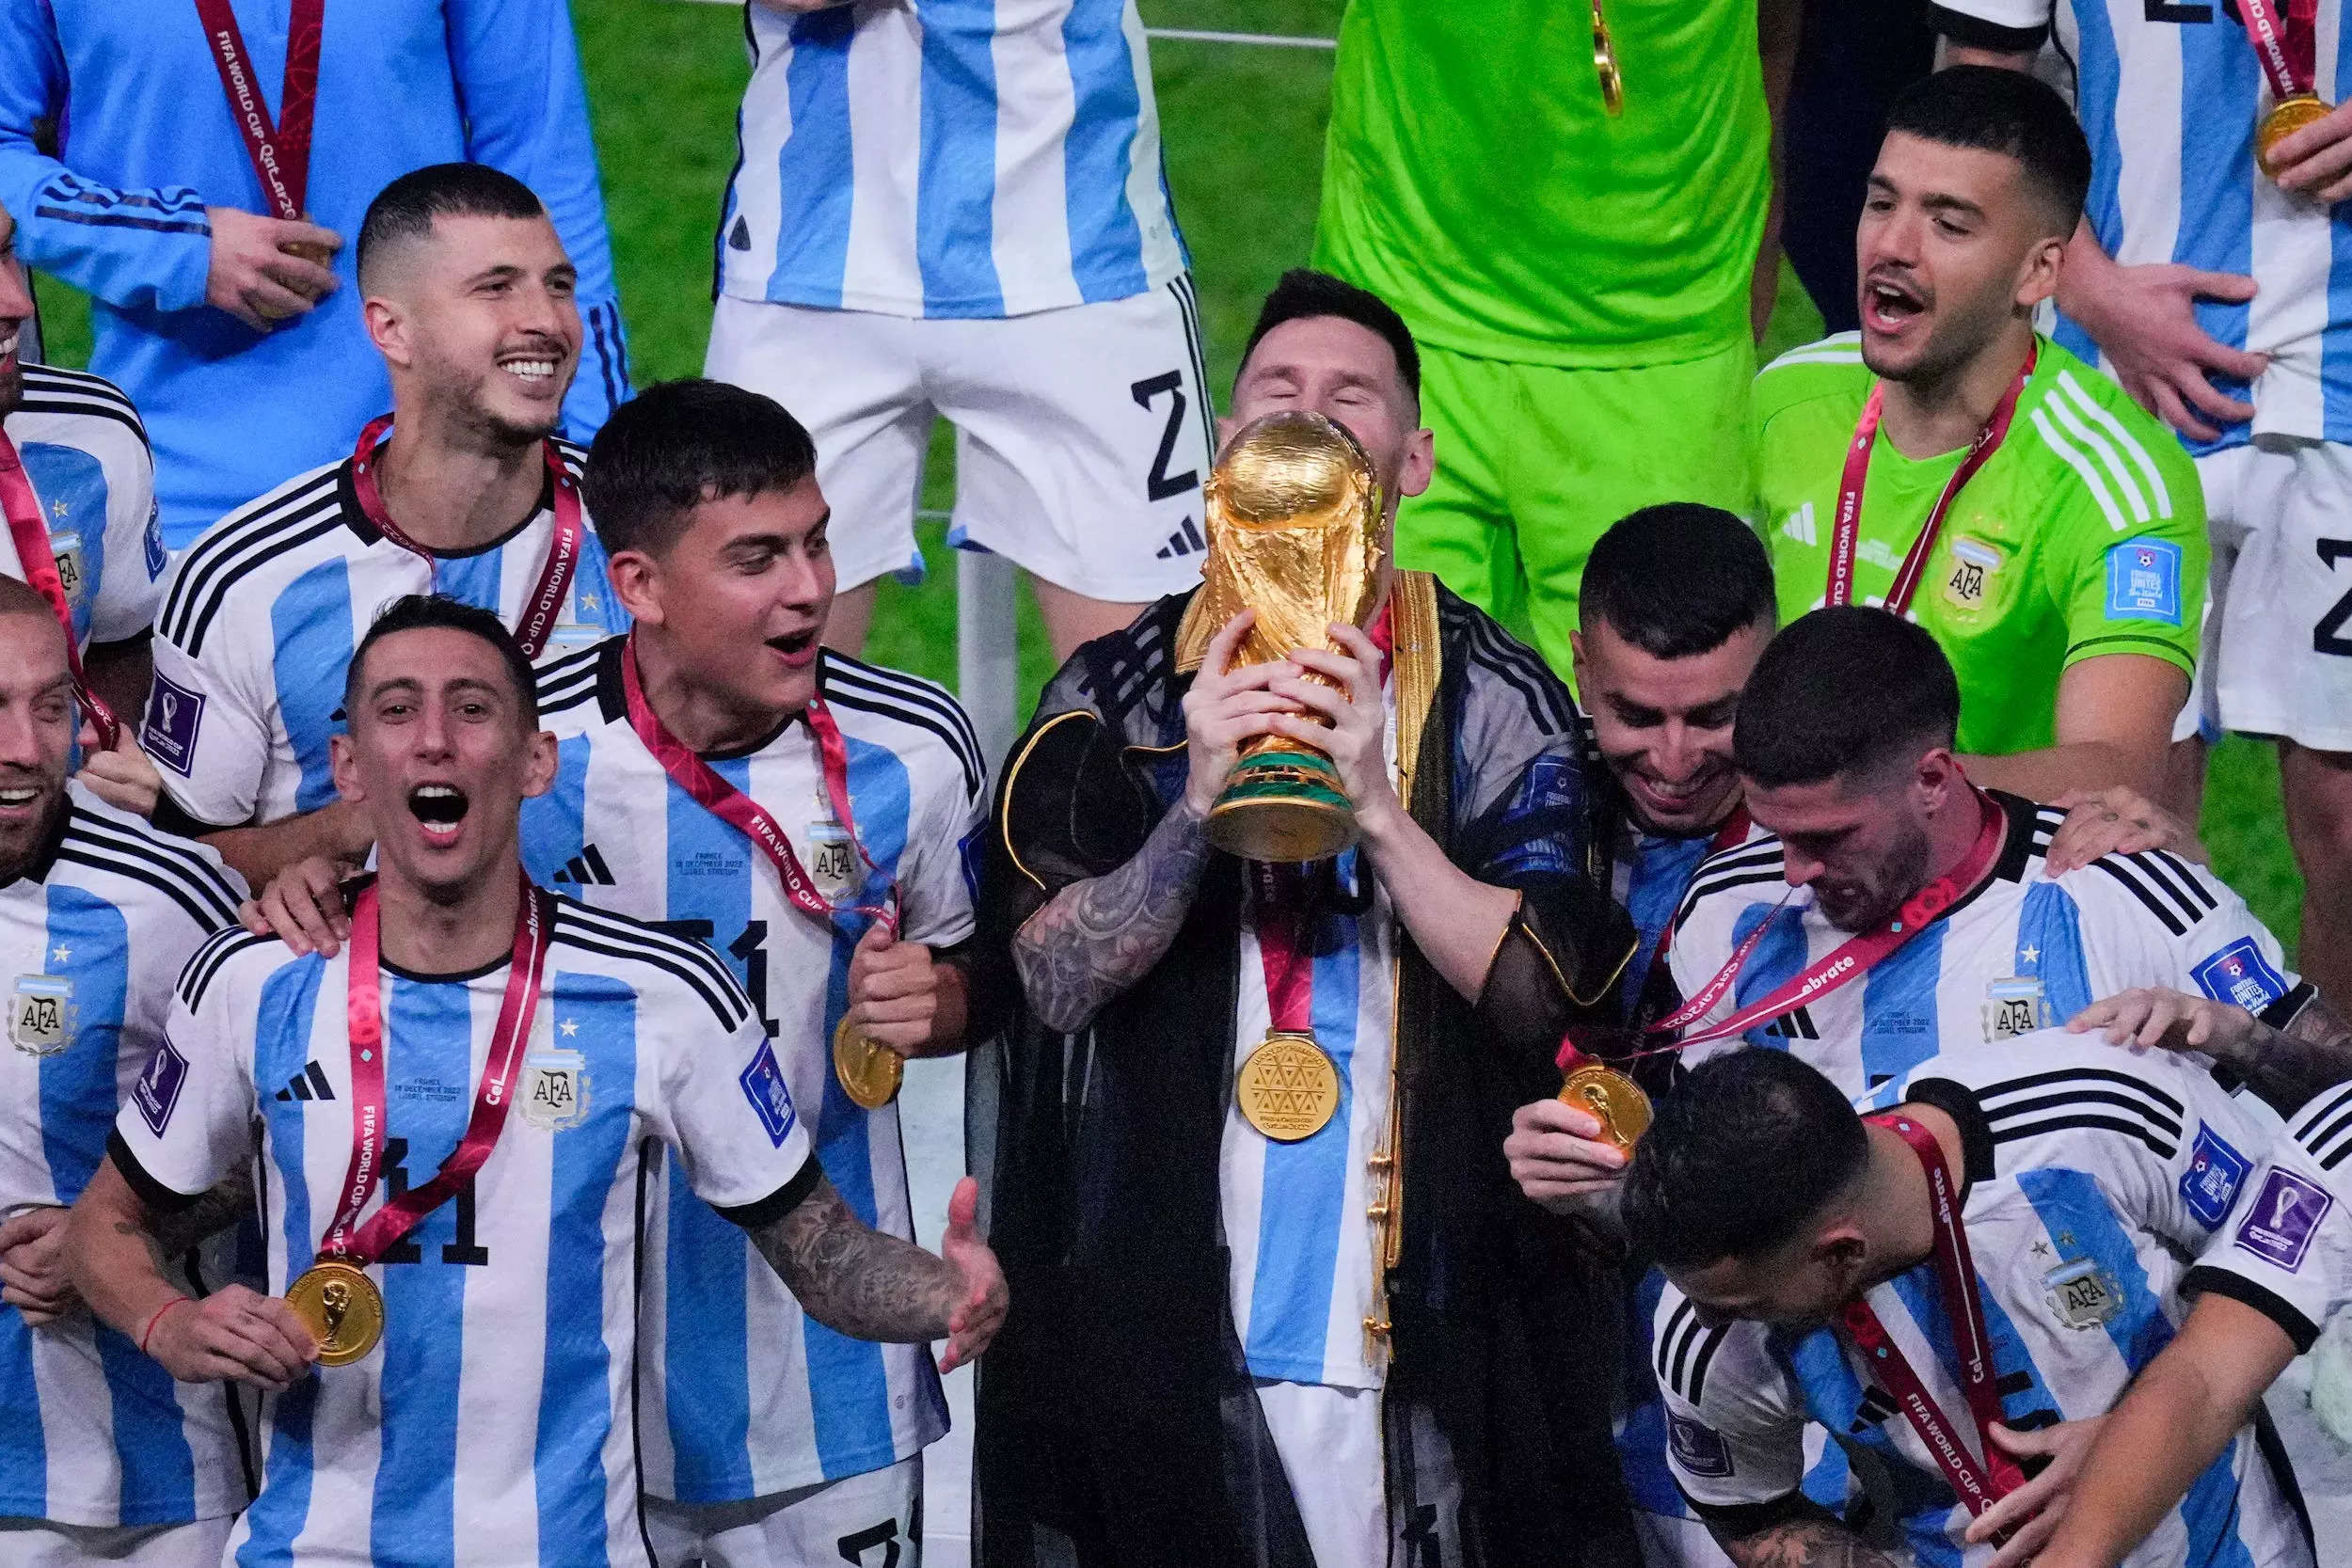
(2011, 499)
(470, 300)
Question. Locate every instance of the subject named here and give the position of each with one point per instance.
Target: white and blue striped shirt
(744, 1396)
(2022, 951)
(2102, 1186)
(91, 937)
(261, 613)
(971, 158)
(494, 1422)
(2169, 96)
(86, 452)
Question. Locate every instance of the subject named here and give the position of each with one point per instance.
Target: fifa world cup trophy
(1294, 513)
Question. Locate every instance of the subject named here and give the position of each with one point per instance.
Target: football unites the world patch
(763, 1085)
(2210, 1184)
(2144, 581)
(2239, 975)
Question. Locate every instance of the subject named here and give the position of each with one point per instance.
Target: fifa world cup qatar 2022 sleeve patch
(2239, 974)
(158, 1088)
(2144, 581)
(2215, 1172)
(1697, 1447)
(763, 1085)
(173, 715)
(2285, 1215)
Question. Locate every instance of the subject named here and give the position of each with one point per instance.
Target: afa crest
(555, 1089)
(41, 1014)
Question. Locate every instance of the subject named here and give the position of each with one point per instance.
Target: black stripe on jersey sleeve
(2198, 883)
(173, 858)
(199, 592)
(2072, 1095)
(2070, 1074)
(81, 853)
(2221, 1282)
(2316, 1139)
(1738, 1520)
(1665, 1356)
(2157, 907)
(154, 1193)
(1706, 1357)
(2183, 890)
(2091, 1122)
(854, 684)
(698, 967)
(767, 1211)
(205, 963)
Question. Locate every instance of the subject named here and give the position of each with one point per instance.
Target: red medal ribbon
(2286, 44)
(555, 576)
(1978, 1488)
(280, 153)
(29, 531)
(1846, 534)
(746, 815)
(363, 1011)
(1847, 962)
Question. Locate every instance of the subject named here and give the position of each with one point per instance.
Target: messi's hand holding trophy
(1294, 513)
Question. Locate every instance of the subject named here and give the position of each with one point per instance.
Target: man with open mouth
(1953, 465)
(495, 1075)
(461, 490)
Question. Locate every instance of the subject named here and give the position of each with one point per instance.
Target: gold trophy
(1293, 521)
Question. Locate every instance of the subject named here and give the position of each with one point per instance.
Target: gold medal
(341, 1307)
(1288, 1087)
(1605, 64)
(2286, 117)
(869, 1070)
(1610, 1097)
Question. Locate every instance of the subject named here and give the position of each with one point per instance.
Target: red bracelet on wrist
(157, 1317)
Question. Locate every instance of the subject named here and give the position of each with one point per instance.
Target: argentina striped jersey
(260, 616)
(2102, 1188)
(743, 1395)
(2169, 96)
(86, 452)
(2022, 951)
(972, 158)
(91, 936)
(494, 1421)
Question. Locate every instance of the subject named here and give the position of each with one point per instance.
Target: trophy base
(1284, 808)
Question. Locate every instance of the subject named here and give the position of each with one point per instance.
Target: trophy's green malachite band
(1282, 808)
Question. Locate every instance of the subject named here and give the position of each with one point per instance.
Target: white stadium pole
(987, 650)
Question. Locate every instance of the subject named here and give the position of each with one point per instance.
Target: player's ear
(1421, 461)
(344, 763)
(388, 329)
(635, 576)
(2038, 275)
(539, 763)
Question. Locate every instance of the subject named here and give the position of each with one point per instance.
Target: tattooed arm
(1812, 1541)
(2286, 1067)
(860, 1282)
(1096, 938)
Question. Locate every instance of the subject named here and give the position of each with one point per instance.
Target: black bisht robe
(1117, 1423)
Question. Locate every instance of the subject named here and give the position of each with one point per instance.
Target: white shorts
(2277, 657)
(1331, 1443)
(874, 1521)
(1082, 434)
(40, 1543)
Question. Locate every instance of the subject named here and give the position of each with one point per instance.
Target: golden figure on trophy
(1294, 513)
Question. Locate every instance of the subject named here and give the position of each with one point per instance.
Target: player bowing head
(1676, 609)
(707, 496)
(443, 743)
(1978, 188)
(1331, 348)
(469, 299)
(1958, 1287)
(1844, 742)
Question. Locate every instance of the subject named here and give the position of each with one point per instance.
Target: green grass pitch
(1244, 134)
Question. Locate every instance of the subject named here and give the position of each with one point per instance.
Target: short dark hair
(1304, 292)
(678, 444)
(419, 611)
(1750, 1147)
(405, 209)
(1841, 689)
(2010, 113)
(1676, 579)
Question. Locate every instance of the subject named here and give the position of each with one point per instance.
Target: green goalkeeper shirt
(2083, 534)
(1472, 179)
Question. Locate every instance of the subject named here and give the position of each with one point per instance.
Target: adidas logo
(585, 869)
(310, 1084)
(1182, 543)
(1799, 526)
